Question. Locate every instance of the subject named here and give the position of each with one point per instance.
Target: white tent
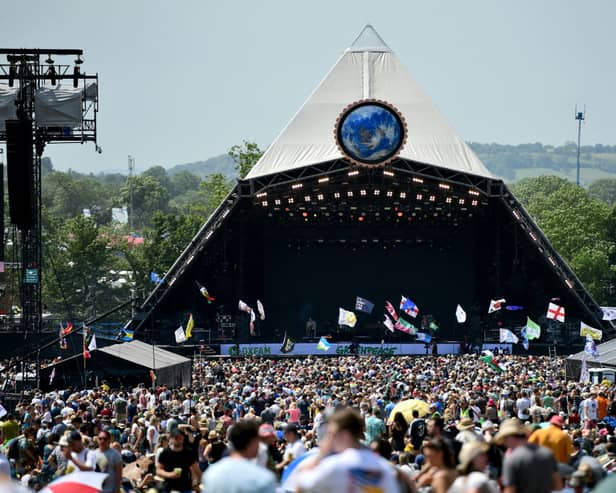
(368, 69)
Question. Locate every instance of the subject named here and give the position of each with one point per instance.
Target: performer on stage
(311, 328)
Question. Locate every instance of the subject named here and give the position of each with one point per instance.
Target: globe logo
(370, 132)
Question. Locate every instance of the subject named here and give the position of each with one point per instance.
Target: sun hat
(557, 420)
(469, 451)
(465, 424)
(510, 427)
(266, 430)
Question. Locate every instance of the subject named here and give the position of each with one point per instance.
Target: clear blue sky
(182, 81)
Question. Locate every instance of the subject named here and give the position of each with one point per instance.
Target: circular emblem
(370, 132)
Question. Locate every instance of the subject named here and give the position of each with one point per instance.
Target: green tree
(604, 189)
(79, 261)
(149, 196)
(245, 156)
(577, 225)
(212, 192)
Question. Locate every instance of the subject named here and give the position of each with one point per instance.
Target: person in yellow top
(554, 438)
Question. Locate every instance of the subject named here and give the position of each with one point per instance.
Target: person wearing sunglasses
(109, 461)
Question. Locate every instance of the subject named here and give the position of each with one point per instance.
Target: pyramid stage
(400, 208)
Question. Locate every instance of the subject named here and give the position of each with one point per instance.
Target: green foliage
(513, 162)
(578, 226)
(148, 196)
(245, 156)
(604, 190)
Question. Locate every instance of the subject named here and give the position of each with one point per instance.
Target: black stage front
(305, 253)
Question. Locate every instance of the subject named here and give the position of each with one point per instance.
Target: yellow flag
(587, 330)
(189, 326)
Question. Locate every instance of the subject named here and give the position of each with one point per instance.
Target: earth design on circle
(370, 133)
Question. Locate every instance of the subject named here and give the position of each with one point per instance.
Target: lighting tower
(33, 79)
(580, 116)
(131, 171)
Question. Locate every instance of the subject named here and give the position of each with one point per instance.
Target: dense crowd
(244, 424)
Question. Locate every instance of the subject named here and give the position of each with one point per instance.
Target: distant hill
(514, 162)
(223, 164)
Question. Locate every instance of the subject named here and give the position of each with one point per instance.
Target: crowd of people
(327, 425)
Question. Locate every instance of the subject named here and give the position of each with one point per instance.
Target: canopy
(368, 69)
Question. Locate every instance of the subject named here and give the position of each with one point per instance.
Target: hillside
(222, 164)
(510, 162)
(514, 162)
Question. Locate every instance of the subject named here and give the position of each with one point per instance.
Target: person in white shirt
(295, 447)
(588, 408)
(523, 405)
(352, 467)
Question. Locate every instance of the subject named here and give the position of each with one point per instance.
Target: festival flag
(588, 331)
(460, 315)
(86, 353)
(52, 375)
(496, 305)
(433, 326)
(609, 312)
(346, 317)
(92, 346)
(190, 325)
(180, 336)
(261, 310)
(525, 343)
(404, 326)
(63, 341)
(323, 345)
(556, 312)
(488, 358)
(423, 337)
(408, 307)
(513, 308)
(68, 329)
(155, 278)
(128, 335)
(533, 331)
(388, 323)
(243, 307)
(153, 376)
(391, 310)
(363, 305)
(584, 373)
(253, 317)
(287, 344)
(591, 347)
(204, 292)
(505, 335)
(3, 411)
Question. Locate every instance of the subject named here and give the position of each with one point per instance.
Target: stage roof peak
(367, 70)
(369, 40)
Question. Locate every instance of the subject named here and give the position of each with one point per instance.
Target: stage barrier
(344, 349)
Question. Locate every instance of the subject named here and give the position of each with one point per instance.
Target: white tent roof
(368, 69)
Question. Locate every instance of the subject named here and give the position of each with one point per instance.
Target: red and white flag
(392, 311)
(496, 305)
(388, 323)
(556, 312)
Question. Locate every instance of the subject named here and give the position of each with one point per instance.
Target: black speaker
(19, 164)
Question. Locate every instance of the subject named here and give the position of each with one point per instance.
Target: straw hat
(469, 451)
(510, 427)
(465, 424)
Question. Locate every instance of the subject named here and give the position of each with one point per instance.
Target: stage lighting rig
(44, 111)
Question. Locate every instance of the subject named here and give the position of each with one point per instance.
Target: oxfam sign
(370, 133)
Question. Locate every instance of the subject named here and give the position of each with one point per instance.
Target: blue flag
(524, 338)
(127, 335)
(408, 307)
(423, 337)
(363, 305)
(323, 344)
(155, 278)
(514, 307)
